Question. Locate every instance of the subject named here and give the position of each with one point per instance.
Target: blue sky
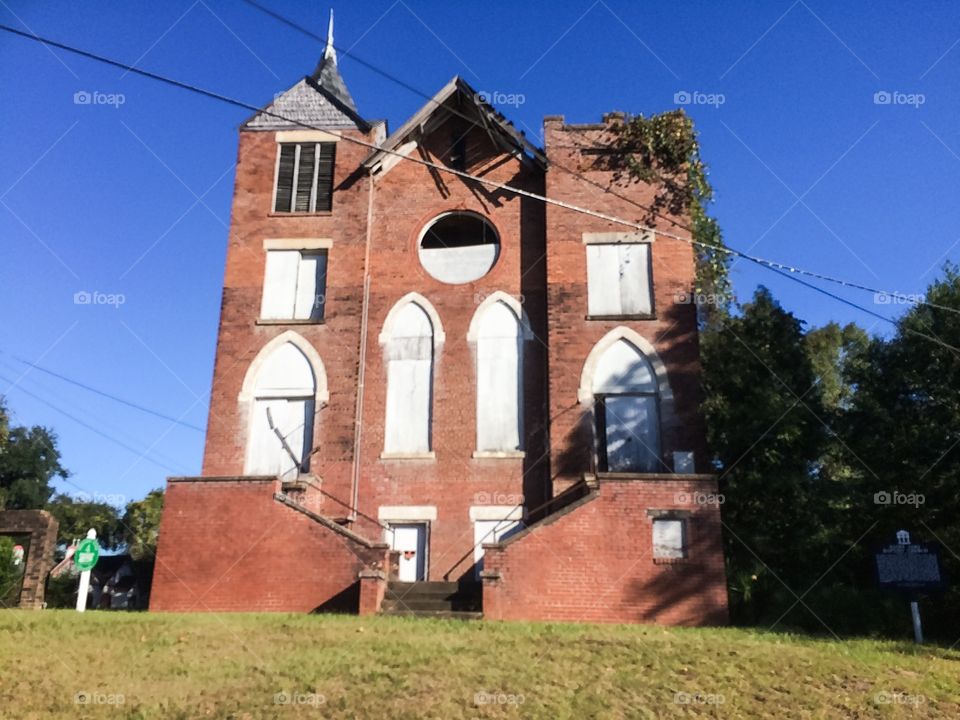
(810, 166)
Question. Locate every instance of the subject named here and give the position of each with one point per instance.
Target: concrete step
(416, 604)
(435, 614)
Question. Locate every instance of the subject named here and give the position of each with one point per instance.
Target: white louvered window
(304, 177)
(294, 285)
(619, 280)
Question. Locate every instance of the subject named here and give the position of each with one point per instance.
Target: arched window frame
(248, 393)
(386, 335)
(664, 393)
(525, 334)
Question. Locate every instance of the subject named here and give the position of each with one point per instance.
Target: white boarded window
(281, 417)
(409, 352)
(294, 285)
(618, 280)
(627, 410)
(499, 380)
(669, 538)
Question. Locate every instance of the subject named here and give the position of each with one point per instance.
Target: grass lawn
(56, 663)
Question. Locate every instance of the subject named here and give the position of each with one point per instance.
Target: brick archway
(42, 528)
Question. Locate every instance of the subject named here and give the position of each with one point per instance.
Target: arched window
(409, 338)
(499, 337)
(281, 413)
(625, 391)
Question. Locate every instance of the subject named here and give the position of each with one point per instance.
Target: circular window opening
(459, 248)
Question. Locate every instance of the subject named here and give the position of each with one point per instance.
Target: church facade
(431, 386)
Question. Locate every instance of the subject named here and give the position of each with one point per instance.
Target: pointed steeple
(318, 100)
(327, 75)
(330, 52)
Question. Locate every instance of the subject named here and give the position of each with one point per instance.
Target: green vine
(664, 150)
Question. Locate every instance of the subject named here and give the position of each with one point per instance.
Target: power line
(442, 168)
(89, 427)
(105, 394)
(553, 164)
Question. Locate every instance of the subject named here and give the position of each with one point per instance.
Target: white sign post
(85, 557)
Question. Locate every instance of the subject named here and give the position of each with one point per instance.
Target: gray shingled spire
(328, 76)
(321, 100)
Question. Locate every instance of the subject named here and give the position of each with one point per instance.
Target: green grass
(234, 665)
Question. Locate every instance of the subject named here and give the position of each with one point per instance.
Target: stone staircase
(433, 599)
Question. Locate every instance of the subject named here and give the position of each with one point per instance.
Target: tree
(29, 462)
(141, 525)
(764, 409)
(76, 517)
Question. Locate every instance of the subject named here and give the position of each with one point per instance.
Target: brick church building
(436, 393)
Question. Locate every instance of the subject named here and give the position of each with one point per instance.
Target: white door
(411, 541)
(487, 532)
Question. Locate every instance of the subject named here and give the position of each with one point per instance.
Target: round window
(459, 247)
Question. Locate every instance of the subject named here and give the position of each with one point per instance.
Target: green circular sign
(87, 554)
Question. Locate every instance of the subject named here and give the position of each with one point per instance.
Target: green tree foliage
(764, 409)
(664, 149)
(141, 525)
(77, 516)
(11, 575)
(29, 462)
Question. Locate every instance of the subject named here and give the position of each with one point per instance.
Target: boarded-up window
(499, 379)
(627, 410)
(295, 285)
(669, 538)
(305, 177)
(409, 382)
(618, 280)
(281, 416)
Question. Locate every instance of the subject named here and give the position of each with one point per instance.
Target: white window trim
(305, 136)
(498, 454)
(473, 332)
(431, 455)
(438, 335)
(297, 243)
(496, 512)
(585, 392)
(618, 238)
(407, 513)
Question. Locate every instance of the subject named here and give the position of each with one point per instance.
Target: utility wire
(442, 168)
(90, 427)
(102, 393)
(553, 164)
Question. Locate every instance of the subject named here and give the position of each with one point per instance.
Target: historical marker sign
(909, 566)
(87, 554)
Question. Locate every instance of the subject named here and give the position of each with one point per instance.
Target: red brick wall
(228, 545)
(674, 331)
(406, 198)
(594, 563)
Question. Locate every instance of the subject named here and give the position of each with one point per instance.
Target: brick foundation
(593, 561)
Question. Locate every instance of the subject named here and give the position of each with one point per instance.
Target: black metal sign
(909, 566)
